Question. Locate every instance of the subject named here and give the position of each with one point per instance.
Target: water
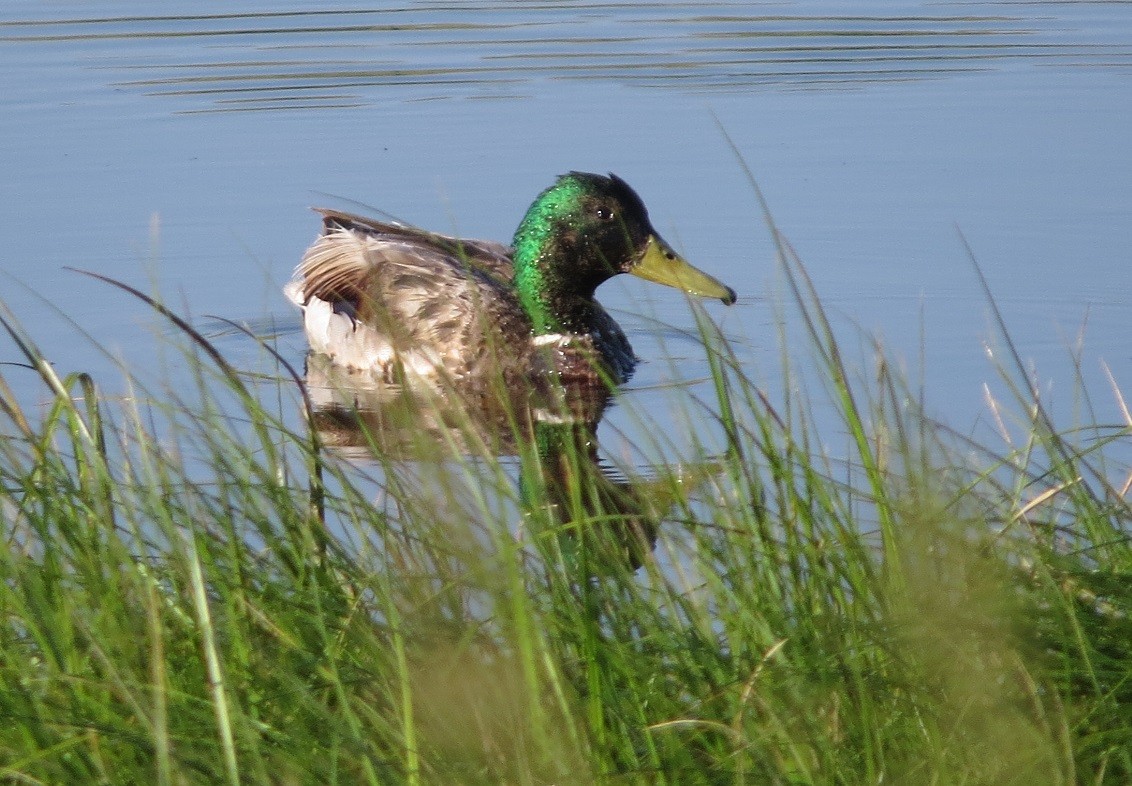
(179, 152)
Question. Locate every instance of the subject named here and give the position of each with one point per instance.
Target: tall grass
(196, 591)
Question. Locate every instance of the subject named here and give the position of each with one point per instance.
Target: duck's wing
(371, 295)
(495, 258)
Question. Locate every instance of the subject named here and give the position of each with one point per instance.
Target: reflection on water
(565, 489)
(357, 414)
(338, 58)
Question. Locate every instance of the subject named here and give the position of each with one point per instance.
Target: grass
(195, 591)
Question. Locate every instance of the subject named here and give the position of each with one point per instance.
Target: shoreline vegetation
(194, 592)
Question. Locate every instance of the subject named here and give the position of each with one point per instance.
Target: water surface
(179, 151)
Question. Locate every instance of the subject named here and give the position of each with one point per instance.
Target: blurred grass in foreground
(921, 610)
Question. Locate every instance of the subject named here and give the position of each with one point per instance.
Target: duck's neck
(555, 300)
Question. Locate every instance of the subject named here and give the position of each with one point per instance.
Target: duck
(394, 302)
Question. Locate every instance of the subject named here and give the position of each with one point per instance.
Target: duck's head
(584, 230)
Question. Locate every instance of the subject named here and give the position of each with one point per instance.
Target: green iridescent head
(581, 232)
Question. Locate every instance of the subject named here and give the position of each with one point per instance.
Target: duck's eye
(604, 213)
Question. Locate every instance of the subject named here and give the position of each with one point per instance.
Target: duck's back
(385, 298)
(389, 298)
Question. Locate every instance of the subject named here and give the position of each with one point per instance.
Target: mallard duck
(394, 300)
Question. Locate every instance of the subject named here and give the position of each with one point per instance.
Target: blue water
(179, 153)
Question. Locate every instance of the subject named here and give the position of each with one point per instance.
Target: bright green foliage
(193, 591)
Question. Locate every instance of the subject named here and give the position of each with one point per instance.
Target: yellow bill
(659, 263)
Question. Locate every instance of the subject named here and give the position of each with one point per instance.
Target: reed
(195, 589)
